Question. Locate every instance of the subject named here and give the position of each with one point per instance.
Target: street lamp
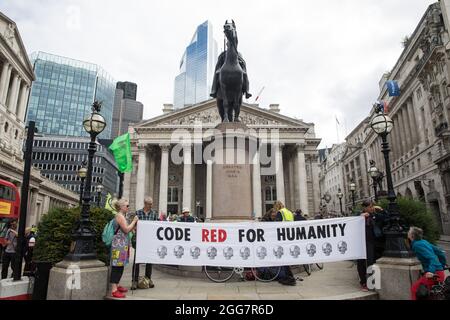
(376, 176)
(82, 247)
(82, 172)
(99, 190)
(394, 231)
(340, 195)
(353, 189)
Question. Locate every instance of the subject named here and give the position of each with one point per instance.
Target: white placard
(261, 244)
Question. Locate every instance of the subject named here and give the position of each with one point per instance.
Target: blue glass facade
(193, 84)
(63, 93)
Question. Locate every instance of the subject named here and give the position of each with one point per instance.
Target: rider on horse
(220, 63)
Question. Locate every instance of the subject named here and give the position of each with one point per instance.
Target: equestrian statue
(230, 81)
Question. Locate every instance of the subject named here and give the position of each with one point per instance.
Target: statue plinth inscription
(232, 175)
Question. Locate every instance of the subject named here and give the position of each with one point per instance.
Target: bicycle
(308, 267)
(223, 274)
(440, 290)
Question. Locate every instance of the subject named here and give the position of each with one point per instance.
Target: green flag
(121, 148)
(108, 203)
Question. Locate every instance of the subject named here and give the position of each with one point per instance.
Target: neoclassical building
(16, 76)
(194, 183)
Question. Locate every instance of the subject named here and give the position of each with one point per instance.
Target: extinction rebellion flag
(251, 244)
(121, 148)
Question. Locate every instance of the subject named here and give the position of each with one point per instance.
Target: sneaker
(117, 294)
(122, 289)
(150, 283)
(134, 286)
(364, 288)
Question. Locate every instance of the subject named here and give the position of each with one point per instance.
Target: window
(270, 197)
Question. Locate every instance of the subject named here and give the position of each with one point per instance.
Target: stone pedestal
(78, 280)
(396, 277)
(232, 173)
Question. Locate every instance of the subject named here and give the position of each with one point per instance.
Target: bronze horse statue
(231, 79)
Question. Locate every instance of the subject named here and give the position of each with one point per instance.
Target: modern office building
(63, 93)
(126, 109)
(60, 157)
(193, 84)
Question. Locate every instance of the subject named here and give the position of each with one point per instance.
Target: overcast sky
(317, 59)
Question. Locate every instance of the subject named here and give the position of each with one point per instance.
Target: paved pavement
(337, 281)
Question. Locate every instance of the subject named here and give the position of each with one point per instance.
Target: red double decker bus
(9, 206)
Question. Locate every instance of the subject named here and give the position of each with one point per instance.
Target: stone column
(315, 178)
(3, 80)
(164, 177)
(413, 123)
(256, 186)
(402, 133)
(280, 173)
(5, 90)
(209, 165)
(22, 105)
(187, 176)
(291, 184)
(12, 107)
(141, 176)
(152, 170)
(407, 128)
(302, 178)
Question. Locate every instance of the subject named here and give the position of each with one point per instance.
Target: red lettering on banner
(222, 235)
(214, 235)
(205, 234)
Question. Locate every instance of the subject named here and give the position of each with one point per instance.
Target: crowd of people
(8, 248)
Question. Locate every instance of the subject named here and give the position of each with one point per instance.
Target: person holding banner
(286, 276)
(145, 214)
(120, 246)
(374, 215)
(185, 216)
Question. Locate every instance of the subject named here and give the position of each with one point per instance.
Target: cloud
(317, 59)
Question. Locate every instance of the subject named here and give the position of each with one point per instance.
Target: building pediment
(207, 115)
(12, 41)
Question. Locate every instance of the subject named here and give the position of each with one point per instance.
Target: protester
(432, 258)
(185, 216)
(120, 247)
(30, 241)
(371, 215)
(145, 214)
(269, 216)
(286, 276)
(298, 215)
(9, 255)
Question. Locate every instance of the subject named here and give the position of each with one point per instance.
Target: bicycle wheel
(218, 274)
(307, 268)
(267, 274)
(319, 265)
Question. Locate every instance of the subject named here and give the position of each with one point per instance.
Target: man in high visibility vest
(283, 214)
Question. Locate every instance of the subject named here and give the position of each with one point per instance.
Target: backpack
(109, 232)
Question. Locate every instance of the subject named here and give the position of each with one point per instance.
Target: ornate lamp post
(82, 172)
(353, 189)
(82, 247)
(395, 233)
(99, 190)
(340, 195)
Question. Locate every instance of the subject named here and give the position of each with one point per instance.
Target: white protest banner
(251, 244)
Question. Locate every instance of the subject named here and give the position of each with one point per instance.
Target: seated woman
(432, 258)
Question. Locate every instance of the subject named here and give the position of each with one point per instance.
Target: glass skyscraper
(193, 84)
(63, 93)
